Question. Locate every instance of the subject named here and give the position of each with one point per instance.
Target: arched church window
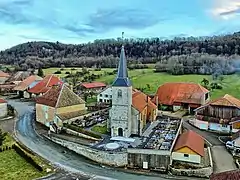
(119, 93)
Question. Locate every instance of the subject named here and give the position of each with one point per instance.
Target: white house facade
(105, 96)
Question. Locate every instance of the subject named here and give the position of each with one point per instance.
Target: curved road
(69, 161)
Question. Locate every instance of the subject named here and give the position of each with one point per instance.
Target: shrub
(83, 131)
(67, 72)
(58, 72)
(28, 158)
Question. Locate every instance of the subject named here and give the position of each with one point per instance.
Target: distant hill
(139, 51)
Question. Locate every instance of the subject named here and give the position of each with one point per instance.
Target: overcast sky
(78, 21)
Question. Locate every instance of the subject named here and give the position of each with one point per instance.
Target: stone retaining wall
(75, 133)
(117, 159)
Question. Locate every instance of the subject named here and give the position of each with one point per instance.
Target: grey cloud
(78, 30)
(12, 11)
(106, 19)
(236, 11)
(120, 17)
(33, 38)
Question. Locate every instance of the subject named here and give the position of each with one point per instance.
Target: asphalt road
(68, 161)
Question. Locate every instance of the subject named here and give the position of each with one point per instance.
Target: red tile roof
(228, 175)
(44, 85)
(93, 85)
(141, 100)
(3, 101)
(50, 97)
(192, 140)
(26, 82)
(170, 93)
(3, 74)
(59, 96)
(226, 100)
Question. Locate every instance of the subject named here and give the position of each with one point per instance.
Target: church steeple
(122, 75)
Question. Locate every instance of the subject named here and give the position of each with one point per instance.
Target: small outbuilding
(189, 148)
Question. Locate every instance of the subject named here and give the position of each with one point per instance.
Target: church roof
(122, 75)
(140, 101)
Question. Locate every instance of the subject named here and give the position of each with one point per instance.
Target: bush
(10, 110)
(28, 158)
(67, 72)
(83, 131)
(58, 72)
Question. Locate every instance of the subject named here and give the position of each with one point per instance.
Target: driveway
(222, 159)
(69, 160)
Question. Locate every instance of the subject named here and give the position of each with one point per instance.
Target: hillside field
(14, 167)
(141, 77)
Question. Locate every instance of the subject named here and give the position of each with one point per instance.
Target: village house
(93, 86)
(3, 77)
(3, 108)
(181, 95)
(18, 77)
(44, 85)
(58, 105)
(131, 109)
(105, 96)
(28, 83)
(189, 148)
(222, 115)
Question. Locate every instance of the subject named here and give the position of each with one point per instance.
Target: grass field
(141, 77)
(70, 70)
(14, 167)
(100, 128)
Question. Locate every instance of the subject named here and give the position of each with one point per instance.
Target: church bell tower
(120, 113)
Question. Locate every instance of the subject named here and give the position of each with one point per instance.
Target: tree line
(178, 52)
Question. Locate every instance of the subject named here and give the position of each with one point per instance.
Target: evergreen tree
(2, 137)
(40, 72)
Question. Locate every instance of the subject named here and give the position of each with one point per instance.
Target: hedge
(28, 158)
(83, 131)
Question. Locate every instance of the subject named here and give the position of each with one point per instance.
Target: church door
(120, 132)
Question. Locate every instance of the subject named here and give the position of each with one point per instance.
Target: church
(131, 109)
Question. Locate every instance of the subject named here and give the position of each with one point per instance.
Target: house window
(206, 96)
(224, 125)
(110, 96)
(100, 95)
(100, 100)
(119, 93)
(106, 95)
(186, 155)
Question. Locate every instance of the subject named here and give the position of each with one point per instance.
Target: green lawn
(102, 128)
(14, 167)
(140, 79)
(63, 72)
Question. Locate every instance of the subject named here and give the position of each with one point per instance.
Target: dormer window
(119, 93)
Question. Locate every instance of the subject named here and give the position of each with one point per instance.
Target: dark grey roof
(122, 75)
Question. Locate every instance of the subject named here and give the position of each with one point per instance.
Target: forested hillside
(178, 56)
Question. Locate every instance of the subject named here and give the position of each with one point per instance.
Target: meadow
(14, 167)
(141, 77)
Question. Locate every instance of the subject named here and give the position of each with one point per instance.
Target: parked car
(230, 145)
